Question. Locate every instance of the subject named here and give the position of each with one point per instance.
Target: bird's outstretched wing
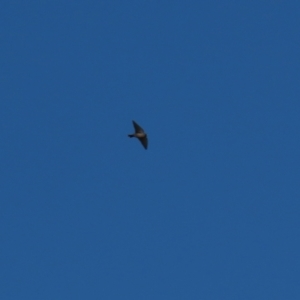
(137, 127)
(144, 141)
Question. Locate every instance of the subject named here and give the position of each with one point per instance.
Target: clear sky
(210, 211)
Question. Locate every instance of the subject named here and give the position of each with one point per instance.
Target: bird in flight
(140, 134)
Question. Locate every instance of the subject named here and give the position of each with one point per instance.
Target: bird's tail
(131, 135)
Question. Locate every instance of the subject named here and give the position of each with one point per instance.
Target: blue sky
(210, 210)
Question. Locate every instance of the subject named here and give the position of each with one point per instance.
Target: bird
(140, 134)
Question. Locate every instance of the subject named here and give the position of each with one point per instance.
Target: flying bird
(140, 134)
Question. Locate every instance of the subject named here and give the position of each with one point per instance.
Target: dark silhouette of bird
(140, 134)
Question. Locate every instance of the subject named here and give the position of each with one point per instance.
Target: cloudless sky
(210, 211)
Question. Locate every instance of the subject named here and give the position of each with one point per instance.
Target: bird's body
(140, 134)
